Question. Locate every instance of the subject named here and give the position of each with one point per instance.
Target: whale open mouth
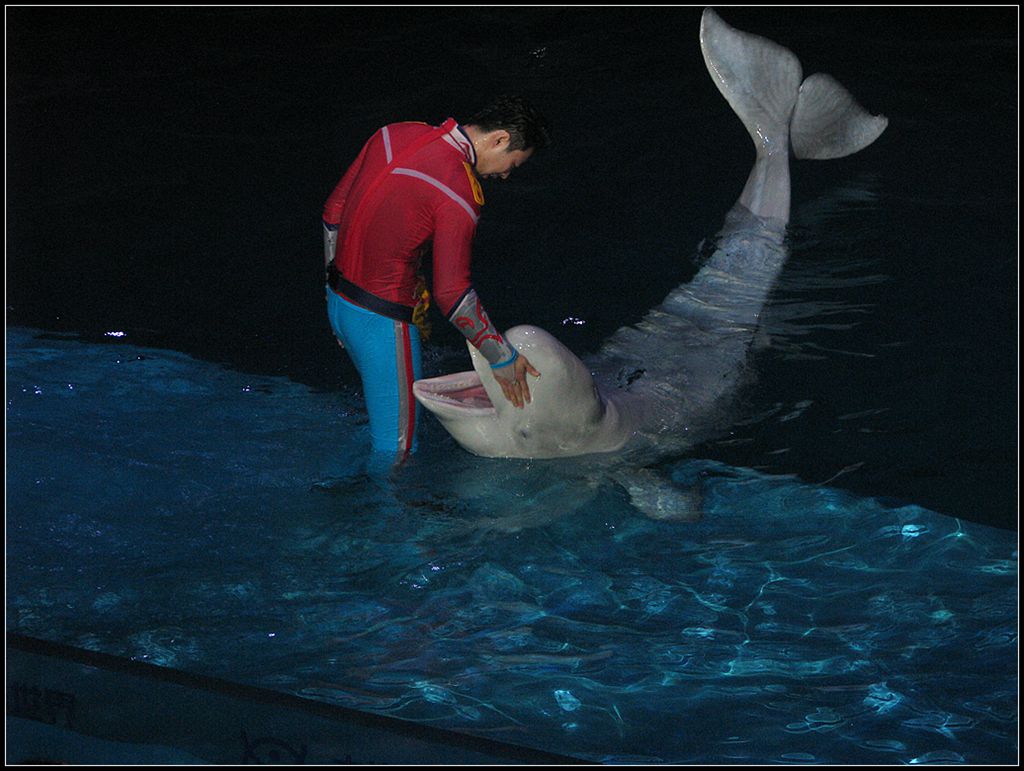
(461, 392)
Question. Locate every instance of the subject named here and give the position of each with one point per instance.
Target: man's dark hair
(526, 126)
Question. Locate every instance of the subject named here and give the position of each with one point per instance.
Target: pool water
(795, 622)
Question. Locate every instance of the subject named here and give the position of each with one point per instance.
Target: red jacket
(409, 186)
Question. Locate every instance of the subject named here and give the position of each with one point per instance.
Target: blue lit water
(795, 622)
(185, 473)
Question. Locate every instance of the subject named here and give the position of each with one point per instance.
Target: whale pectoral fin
(660, 498)
(829, 123)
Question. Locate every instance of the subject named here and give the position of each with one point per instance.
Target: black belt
(343, 286)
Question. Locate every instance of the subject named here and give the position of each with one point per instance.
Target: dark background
(166, 168)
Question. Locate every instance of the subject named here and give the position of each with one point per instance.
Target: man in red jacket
(414, 187)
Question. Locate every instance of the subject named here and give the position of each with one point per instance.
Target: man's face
(495, 160)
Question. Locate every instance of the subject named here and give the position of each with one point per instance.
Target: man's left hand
(515, 388)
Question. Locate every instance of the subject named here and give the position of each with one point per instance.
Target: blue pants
(387, 354)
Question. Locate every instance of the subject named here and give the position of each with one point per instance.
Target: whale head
(567, 415)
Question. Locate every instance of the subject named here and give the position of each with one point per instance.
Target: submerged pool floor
(175, 512)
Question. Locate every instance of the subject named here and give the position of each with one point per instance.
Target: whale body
(657, 387)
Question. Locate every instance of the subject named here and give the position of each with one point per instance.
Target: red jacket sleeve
(453, 251)
(335, 203)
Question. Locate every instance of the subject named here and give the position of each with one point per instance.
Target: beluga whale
(657, 387)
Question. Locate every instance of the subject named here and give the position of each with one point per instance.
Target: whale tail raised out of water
(763, 83)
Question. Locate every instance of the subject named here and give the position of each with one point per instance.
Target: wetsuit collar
(458, 139)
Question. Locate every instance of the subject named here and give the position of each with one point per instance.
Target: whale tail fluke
(763, 83)
(758, 78)
(829, 123)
